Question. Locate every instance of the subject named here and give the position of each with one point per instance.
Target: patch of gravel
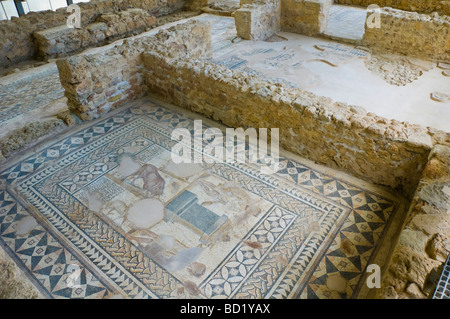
(13, 283)
(398, 70)
(20, 138)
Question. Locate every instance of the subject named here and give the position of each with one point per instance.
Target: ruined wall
(16, 36)
(196, 4)
(410, 33)
(171, 64)
(382, 151)
(258, 20)
(62, 40)
(14, 284)
(421, 6)
(308, 17)
(424, 243)
(101, 79)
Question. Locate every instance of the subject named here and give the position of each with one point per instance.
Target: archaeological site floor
(392, 86)
(304, 232)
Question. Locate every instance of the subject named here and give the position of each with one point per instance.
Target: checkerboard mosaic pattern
(248, 234)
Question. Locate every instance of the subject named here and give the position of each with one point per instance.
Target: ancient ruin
(355, 93)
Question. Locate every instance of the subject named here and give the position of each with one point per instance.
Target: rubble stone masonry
(62, 40)
(258, 20)
(382, 151)
(424, 242)
(421, 6)
(16, 36)
(410, 33)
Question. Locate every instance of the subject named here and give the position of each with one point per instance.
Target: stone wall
(16, 36)
(101, 79)
(196, 4)
(308, 17)
(62, 40)
(410, 33)
(382, 151)
(258, 20)
(424, 243)
(421, 6)
(14, 284)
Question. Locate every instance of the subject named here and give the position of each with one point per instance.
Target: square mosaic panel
(104, 210)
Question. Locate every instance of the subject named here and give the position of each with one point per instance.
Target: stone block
(308, 17)
(409, 33)
(258, 20)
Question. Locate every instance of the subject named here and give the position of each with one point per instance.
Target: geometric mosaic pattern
(29, 93)
(281, 236)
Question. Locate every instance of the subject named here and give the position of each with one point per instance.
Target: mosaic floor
(346, 22)
(103, 210)
(443, 287)
(29, 96)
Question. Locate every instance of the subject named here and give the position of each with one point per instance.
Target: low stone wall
(258, 20)
(421, 6)
(308, 17)
(16, 36)
(382, 151)
(410, 33)
(62, 40)
(424, 243)
(379, 150)
(101, 79)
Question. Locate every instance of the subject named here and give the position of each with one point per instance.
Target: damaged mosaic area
(104, 211)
